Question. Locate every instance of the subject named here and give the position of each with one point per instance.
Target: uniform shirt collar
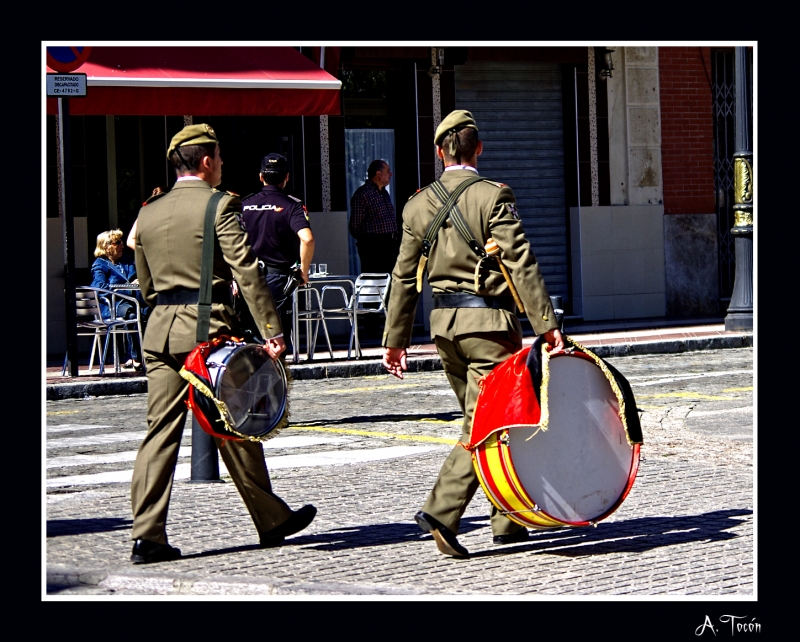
(454, 167)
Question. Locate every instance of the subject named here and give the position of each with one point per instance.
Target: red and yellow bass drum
(555, 439)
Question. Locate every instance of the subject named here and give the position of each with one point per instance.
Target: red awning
(219, 81)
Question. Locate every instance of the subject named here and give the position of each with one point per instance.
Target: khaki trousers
(154, 469)
(466, 359)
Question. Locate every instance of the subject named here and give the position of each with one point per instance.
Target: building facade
(620, 158)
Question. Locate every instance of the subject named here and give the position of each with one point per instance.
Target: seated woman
(114, 266)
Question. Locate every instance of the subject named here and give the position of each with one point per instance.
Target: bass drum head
(578, 469)
(254, 387)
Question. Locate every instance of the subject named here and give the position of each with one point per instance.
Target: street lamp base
(742, 322)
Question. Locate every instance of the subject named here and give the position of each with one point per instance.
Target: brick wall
(686, 130)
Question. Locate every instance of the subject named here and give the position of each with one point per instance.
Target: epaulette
(244, 198)
(224, 191)
(153, 198)
(495, 183)
(418, 192)
(294, 198)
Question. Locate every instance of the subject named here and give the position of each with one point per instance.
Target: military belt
(190, 297)
(467, 300)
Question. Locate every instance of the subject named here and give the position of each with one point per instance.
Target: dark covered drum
(237, 391)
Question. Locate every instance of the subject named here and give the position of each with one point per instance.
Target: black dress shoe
(145, 552)
(297, 521)
(520, 536)
(445, 539)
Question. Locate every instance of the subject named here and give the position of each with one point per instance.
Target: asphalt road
(366, 451)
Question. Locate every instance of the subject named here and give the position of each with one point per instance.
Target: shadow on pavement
(632, 535)
(639, 535)
(440, 416)
(57, 527)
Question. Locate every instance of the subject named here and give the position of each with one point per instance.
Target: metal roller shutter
(518, 109)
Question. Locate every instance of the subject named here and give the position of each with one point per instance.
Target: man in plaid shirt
(373, 223)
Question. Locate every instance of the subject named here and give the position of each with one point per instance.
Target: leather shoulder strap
(450, 208)
(204, 298)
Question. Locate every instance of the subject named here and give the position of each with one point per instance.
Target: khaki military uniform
(470, 341)
(169, 243)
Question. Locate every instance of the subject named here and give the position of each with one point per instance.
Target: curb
(74, 581)
(134, 386)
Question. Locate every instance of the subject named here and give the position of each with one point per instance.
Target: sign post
(63, 85)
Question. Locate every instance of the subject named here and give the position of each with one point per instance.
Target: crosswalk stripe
(330, 458)
(186, 451)
(74, 427)
(95, 440)
(638, 381)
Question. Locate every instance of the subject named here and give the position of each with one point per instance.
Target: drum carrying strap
(204, 299)
(449, 208)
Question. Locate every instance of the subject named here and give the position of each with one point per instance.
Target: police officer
(278, 231)
(473, 323)
(169, 242)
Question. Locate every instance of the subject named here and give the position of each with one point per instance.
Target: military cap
(455, 121)
(192, 135)
(274, 164)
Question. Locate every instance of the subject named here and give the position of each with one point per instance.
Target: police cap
(455, 121)
(274, 164)
(192, 135)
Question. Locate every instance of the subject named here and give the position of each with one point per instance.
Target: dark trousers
(466, 360)
(378, 252)
(276, 283)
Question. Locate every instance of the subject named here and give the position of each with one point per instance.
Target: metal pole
(205, 462)
(740, 310)
(65, 176)
(416, 114)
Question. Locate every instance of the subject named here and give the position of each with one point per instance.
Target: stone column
(325, 162)
(740, 310)
(437, 106)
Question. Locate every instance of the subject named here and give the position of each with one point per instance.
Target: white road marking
(186, 451)
(701, 413)
(110, 458)
(431, 392)
(73, 427)
(670, 378)
(339, 457)
(95, 440)
(332, 458)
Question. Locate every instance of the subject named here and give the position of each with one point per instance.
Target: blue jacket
(105, 273)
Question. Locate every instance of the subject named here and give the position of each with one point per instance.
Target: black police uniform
(272, 219)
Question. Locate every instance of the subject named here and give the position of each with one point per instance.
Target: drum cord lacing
(545, 417)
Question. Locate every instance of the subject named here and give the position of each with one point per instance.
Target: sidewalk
(604, 339)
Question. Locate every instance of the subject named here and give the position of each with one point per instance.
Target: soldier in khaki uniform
(169, 241)
(473, 330)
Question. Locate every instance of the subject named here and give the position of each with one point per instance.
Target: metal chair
(90, 323)
(370, 295)
(312, 314)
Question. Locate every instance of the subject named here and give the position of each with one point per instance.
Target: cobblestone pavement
(366, 451)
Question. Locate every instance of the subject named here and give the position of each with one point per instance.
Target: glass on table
(312, 270)
(323, 269)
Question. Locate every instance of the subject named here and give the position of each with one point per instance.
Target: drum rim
(242, 345)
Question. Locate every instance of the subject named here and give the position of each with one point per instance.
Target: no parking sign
(67, 59)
